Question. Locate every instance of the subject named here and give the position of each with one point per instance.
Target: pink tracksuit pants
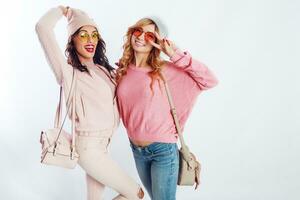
(101, 170)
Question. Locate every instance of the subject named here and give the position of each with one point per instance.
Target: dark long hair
(99, 57)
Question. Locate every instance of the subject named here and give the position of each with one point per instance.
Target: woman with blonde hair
(96, 111)
(144, 107)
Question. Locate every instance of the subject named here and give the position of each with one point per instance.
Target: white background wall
(245, 131)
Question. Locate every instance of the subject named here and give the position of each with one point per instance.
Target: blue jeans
(157, 165)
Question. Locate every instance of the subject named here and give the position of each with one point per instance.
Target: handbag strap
(71, 100)
(184, 148)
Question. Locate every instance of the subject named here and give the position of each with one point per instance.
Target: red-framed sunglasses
(148, 36)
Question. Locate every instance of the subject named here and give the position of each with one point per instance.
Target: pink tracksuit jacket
(147, 116)
(96, 109)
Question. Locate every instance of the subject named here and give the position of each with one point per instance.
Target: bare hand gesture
(64, 9)
(167, 46)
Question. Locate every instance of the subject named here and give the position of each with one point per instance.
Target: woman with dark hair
(95, 107)
(144, 106)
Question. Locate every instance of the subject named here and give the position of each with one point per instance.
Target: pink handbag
(58, 146)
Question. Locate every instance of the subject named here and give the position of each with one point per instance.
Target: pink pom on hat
(76, 19)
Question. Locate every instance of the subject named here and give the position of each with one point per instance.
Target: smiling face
(86, 42)
(139, 41)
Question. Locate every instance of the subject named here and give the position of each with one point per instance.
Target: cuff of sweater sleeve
(177, 55)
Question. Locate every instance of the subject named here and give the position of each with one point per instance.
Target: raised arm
(55, 57)
(196, 70)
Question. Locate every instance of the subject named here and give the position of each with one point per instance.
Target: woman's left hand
(64, 9)
(164, 44)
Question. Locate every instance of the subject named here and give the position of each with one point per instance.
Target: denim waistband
(150, 147)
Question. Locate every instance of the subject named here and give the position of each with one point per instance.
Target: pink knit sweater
(147, 116)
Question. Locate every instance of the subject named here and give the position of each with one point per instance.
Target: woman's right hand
(64, 9)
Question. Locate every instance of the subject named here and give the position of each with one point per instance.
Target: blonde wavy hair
(128, 58)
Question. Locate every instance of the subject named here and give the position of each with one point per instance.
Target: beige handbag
(189, 167)
(58, 146)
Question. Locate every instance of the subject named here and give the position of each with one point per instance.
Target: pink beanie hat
(76, 19)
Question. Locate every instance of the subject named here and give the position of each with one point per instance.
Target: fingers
(155, 44)
(163, 44)
(162, 39)
(64, 9)
(166, 41)
(158, 36)
(171, 44)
